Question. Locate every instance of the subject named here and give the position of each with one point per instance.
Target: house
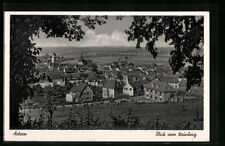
(69, 70)
(59, 82)
(128, 90)
(158, 91)
(93, 80)
(57, 78)
(73, 77)
(171, 80)
(80, 93)
(45, 82)
(108, 89)
(138, 87)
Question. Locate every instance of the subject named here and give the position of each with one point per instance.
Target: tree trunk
(14, 114)
(14, 111)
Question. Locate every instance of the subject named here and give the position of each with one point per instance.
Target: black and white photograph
(106, 76)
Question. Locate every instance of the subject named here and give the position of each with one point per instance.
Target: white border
(106, 135)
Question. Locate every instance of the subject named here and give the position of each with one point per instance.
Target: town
(66, 85)
(87, 81)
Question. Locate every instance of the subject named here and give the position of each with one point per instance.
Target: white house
(128, 90)
(158, 91)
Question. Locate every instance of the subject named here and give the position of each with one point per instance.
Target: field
(105, 55)
(171, 113)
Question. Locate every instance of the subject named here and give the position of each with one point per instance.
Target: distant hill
(74, 51)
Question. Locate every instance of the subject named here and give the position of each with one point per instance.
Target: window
(125, 88)
(155, 97)
(147, 95)
(130, 88)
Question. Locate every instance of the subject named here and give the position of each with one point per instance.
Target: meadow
(173, 114)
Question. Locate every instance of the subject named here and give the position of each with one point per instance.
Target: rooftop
(159, 86)
(109, 84)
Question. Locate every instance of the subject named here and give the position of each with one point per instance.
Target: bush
(130, 121)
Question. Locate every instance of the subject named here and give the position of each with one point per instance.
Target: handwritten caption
(159, 133)
(18, 133)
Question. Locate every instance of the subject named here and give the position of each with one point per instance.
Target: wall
(155, 96)
(106, 93)
(43, 85)
(87, 95)
(69, 97)
(128, 90)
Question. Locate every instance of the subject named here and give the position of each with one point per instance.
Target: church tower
(53, 58)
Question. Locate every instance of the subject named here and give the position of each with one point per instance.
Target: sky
(110, 34)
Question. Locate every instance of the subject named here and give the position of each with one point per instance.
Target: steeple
(53, 58)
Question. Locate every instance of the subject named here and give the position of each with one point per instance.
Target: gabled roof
(93, 77)
(170, 79)
(137, 84)
(159, 86)
(78, 89)
(109, 84)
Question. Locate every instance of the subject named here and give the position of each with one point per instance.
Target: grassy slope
(168, 112)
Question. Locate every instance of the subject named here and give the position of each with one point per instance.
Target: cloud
(93, 39)
(116, 38)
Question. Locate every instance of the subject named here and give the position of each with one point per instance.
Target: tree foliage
(185, 33)
(23, 53)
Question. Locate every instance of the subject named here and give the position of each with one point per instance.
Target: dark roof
(73, 75)
(137, 84)
(93, 77)
(170, 79)
(55, 75)
(183, 83)
(150, 76)
(78, 89)
(109, 84)
(70, 70)
(159, 86)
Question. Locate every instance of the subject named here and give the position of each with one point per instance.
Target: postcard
(106, 76)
